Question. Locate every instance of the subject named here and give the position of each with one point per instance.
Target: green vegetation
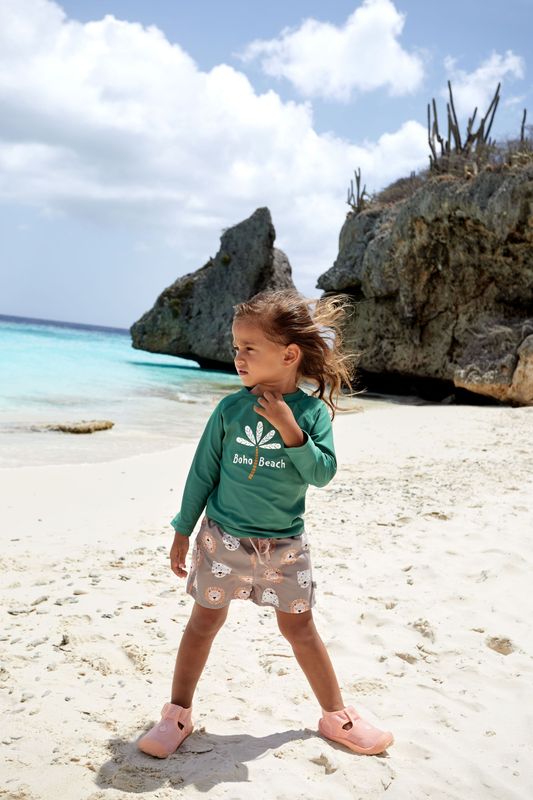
(461, 157)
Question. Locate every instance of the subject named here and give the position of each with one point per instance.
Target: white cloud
(514, 100)
(109, 121)
(471, 89)
(324, 60)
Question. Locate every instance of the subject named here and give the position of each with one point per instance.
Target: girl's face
(257, 359)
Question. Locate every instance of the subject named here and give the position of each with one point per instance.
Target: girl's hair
(287, 317)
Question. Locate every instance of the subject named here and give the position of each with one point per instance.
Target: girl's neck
(259, 388)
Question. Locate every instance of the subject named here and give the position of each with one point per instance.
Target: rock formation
(192, 317)
(84, 426)
(442, 283)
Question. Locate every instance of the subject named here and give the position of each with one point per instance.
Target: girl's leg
(196, 641)
(312, 656)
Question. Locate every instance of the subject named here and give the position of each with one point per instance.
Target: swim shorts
(269, 571)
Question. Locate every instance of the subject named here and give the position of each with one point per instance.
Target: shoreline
(19, 443)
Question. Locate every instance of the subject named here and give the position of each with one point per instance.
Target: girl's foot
(165, 737)
(360, 736)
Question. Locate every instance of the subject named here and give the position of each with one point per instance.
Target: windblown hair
(287, 317)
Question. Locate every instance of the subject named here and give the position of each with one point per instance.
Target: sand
(422, 554)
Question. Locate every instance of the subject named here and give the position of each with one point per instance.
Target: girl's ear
(292, 353)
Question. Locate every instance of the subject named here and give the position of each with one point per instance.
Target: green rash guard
(249, 482)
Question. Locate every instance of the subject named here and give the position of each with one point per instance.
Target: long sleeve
(203, 474)
(315, 459)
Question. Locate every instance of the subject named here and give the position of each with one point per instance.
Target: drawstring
(266, 550)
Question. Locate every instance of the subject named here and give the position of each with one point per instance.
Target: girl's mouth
(242, 372)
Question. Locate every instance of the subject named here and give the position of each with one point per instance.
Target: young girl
(261, 448)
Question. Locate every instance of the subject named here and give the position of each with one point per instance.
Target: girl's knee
(207, 621)
(296, 627)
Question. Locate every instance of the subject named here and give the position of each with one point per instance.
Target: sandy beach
(422, 554)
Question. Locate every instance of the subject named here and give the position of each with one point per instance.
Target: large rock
(442, 283)
(192, 317)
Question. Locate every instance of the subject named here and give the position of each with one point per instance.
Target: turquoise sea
(57, 371)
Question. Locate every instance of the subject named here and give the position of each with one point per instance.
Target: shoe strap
(172, 711)
(352, 714)
(347, 711)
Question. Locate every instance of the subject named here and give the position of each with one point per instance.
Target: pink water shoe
(362, 737)
(165, 737)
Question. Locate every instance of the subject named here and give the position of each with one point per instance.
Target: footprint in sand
(500, 644)
(368, 686)
(99, 664)
(407, 657)
(131, 778)
(22, 792)
(423, 627)
(436, 515)
(323, 761)
(137, 656)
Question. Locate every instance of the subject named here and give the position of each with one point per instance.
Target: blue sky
(131, 133)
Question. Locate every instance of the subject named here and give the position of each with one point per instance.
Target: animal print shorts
(269, 571)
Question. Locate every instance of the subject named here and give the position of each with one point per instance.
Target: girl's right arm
(203, 476)
(178, 551)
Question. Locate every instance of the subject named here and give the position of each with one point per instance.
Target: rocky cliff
(442, 283)
(192, 317)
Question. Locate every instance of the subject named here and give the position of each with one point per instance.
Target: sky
(133, 133)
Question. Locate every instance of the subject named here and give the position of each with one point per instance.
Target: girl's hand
(178, 551)
(273, 407)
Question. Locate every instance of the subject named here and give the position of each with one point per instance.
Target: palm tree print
(257, 442)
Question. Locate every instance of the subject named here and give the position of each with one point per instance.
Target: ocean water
(57, 372)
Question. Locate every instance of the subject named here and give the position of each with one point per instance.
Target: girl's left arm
(315, 459)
